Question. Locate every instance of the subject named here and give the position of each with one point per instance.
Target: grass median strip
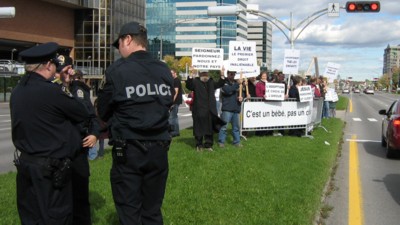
(271, 180)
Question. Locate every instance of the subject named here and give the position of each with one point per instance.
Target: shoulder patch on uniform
(80, 93)
(67, 92)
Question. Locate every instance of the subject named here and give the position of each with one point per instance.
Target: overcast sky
(356, 41)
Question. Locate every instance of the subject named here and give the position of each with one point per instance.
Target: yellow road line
(350, 106)
(356, 216)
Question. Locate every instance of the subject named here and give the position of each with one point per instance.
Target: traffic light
(363, 6)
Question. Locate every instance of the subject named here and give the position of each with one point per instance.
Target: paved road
(364, 174)
(7, 148)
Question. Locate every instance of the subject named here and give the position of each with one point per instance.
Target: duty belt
(44, 161)
(144, 144)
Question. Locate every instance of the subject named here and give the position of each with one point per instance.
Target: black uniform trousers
(138, 186)
(208, 141)
(38, 201)
(80, 189)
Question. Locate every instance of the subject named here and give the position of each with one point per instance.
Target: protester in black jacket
(204, 109)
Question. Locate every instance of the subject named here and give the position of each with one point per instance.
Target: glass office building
(97, 26)
(176, 26)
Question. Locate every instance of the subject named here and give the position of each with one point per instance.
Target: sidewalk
(341, 114)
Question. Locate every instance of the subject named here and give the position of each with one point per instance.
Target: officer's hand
(89, 141)
(66, 73)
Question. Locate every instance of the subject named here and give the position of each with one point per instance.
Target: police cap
(129, 28)
(41, 53)
(64, 60)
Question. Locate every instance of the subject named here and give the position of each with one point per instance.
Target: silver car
(8, 65)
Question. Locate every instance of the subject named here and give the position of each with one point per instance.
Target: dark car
(391, 129)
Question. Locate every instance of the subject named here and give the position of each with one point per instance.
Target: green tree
(171, 62)
(384, 81)
(185, 60)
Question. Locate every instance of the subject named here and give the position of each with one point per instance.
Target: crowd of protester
(229, 93)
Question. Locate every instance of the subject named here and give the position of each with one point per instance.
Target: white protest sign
(291, 61)
(242, 55)
(331, 71)
(331, 95)
(207, 58)
(252, 72)
(306, 93)
(274, 91)
(270, 114)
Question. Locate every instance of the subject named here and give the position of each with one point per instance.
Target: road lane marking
(355, 199)
(350, 106)
(357, 119)
(185, 115)
(372, 120)
(360, 140)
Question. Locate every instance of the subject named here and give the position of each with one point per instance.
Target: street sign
(333, 9)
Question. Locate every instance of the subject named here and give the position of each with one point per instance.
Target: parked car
(346, 91)
(369, 91)
(356, 90)
(12, 66)
(391, 129)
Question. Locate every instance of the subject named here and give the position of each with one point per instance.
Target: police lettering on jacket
(148, 89)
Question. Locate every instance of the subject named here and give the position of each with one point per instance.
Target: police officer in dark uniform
(43, 119)
(89, 130)
(135, 100)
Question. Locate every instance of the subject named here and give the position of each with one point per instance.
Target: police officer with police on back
(43, 119)
(135, 100)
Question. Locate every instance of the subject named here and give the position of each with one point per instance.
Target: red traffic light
(363, 6)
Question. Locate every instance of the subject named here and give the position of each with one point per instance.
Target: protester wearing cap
(231, 107)
(43, 132)
(135, 99)
(204, 109)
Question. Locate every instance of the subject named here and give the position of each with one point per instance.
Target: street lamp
(12, 59)
(90, 64)
(7, 12)
(235, 10)
(12, 53)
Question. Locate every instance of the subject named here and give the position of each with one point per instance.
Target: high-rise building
(261, 33)
(391, 58)
(176, 26)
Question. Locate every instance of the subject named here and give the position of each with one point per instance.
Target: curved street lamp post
(234, 10)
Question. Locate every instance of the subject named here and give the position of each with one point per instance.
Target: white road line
(356, 140)
(186, 115)
(356, 119)
(372, 120)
